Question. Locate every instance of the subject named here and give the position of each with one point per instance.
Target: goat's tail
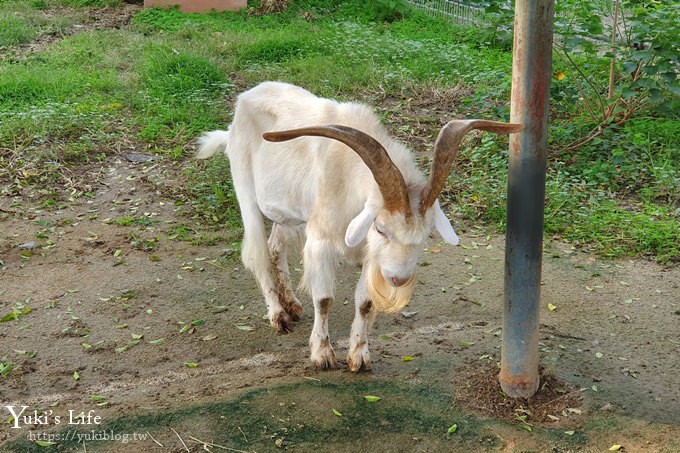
(212, 142)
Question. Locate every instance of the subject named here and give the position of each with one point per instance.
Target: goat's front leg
(319, 278)
(358, 357)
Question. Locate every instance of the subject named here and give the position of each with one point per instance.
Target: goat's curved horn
(446, 148)
(386, 174)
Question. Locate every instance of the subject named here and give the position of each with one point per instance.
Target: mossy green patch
(301, 416)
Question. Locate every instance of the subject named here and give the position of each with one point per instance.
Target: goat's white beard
(385, 297)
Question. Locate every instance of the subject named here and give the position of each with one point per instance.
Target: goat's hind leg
(256, 252)
(280, 241)
(257, 257)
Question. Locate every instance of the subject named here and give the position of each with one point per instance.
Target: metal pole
(531, 72)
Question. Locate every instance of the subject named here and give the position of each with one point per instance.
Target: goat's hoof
(325, 363)
(294, 309)
(359, 359)
(323, 357)
(282, 323)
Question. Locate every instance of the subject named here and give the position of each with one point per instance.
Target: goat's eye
(380, 231)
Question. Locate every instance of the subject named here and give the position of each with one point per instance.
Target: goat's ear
(358, 227)
(443, 226)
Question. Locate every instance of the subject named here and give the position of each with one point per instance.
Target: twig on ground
(180, 439)
(152, 438)
(244, 434)
(465, 299)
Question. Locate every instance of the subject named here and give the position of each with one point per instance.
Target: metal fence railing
(454, 10)
(461, 12)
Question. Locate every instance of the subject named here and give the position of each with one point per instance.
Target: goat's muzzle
(397, 282)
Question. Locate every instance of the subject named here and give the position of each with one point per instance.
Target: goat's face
(394, 243)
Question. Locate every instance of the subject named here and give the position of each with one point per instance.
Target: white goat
(359, 198)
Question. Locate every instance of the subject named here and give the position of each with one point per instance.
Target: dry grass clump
(269, 7)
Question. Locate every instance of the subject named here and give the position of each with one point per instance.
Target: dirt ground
(154, 326)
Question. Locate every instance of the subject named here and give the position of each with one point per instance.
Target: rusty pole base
(519, 386)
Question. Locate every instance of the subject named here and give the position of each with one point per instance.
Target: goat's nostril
(399, 281)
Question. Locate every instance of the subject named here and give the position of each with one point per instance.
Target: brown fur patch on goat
(284, 293)
(386, 298)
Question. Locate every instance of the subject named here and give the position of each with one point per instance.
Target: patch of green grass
(580, 204)
(276, 50)
(71, 104)
(38, 141)
(73, 71)
(655, 141)
(641, 158)
(145, 244)
(128, 220)
(211, 193)
(620, 192)
(15, 30)
(21, 22)
(616, 230)
(180, 233)
(173, 76)
(179, 93)
(335, 54)
(581, 210)
(58, 108)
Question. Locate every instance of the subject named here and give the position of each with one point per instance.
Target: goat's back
(277, 106)
(284, 106)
